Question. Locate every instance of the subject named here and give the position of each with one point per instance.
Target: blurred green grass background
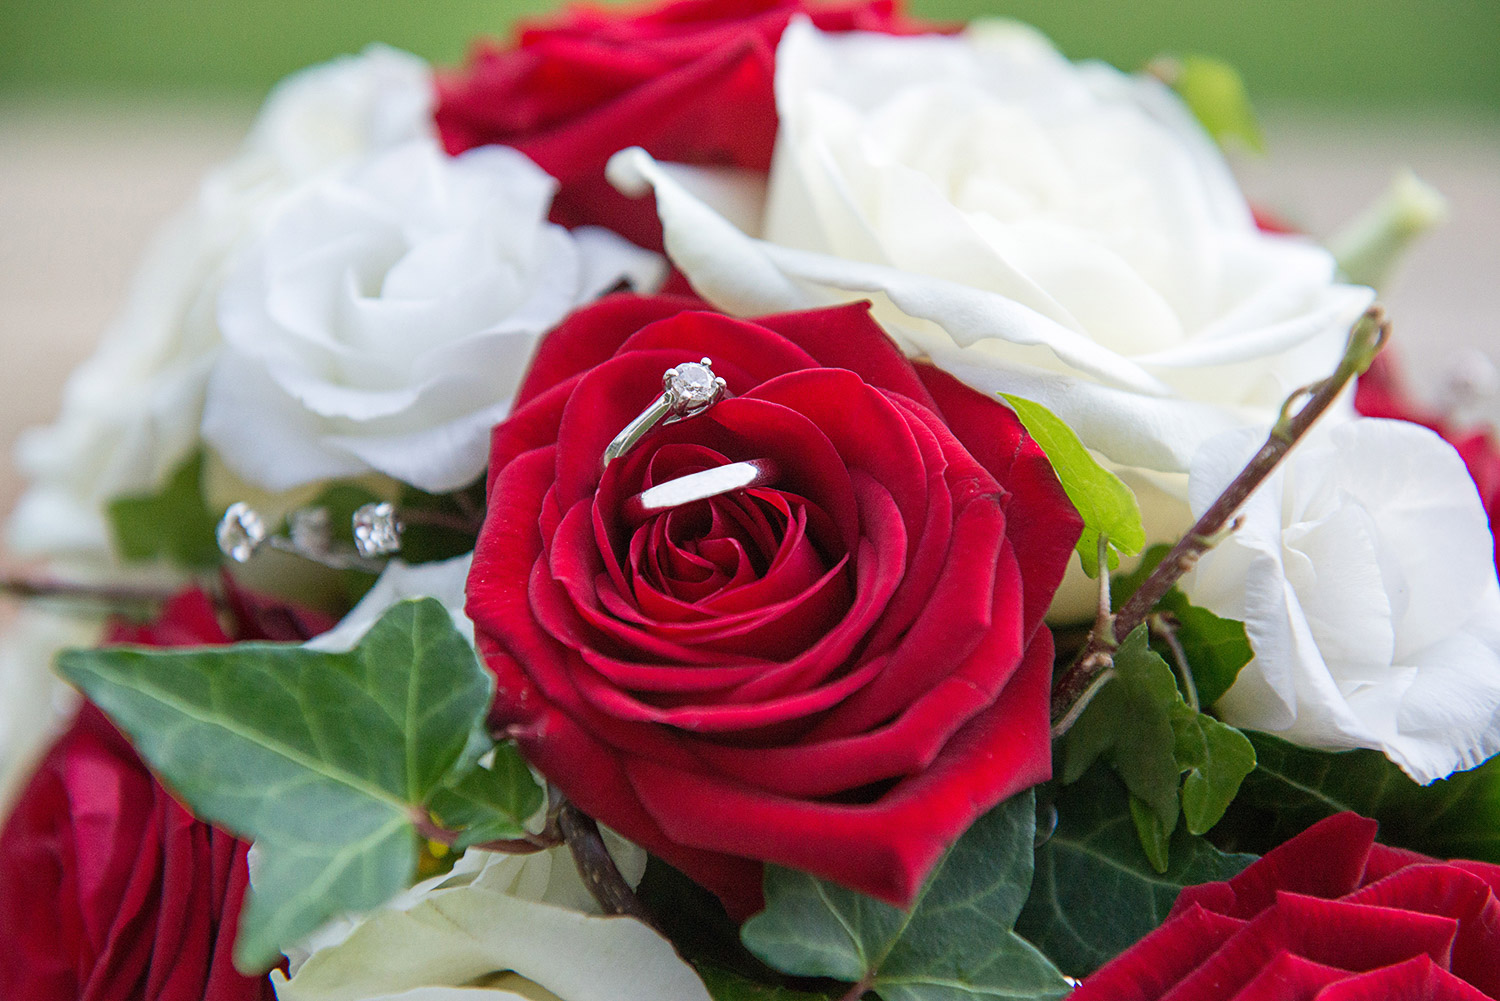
(1397, 55)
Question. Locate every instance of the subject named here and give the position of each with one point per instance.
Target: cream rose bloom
(131, 412)
(1063, 232)
(497, 928)
(384, 318)
(1364, 574)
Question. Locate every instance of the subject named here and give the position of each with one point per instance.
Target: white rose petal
(130, 413)
(443, 580)
(384, 318)
(1060, 231)
(494, 915)
(1364, 574)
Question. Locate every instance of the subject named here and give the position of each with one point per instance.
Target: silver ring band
(699, 486)
(687, 390)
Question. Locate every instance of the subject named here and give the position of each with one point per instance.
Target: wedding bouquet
(600, 523)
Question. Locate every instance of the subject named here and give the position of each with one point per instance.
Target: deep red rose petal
(886, 848)
(592, 334)
(1418, 979)
(848, 337)
(1327, 860)
(1289, 978)
(1345, 936)
(1447, 890)
(1151, 967)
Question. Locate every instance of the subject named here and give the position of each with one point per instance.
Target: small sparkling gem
(240, 532)
(377, 530)
(693, 384)
(311, 530)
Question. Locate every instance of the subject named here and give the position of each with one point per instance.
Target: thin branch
(1367, 337)
(440, 519)
(111, 595)
(1165, 628)
(598, 869)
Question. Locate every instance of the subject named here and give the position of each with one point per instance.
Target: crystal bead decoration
(377, 530)
(240, 532)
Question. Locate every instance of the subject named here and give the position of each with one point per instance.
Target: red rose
(690, 81)
(1328, 916)
(1381, 392)
(838, 672)
(109, 889)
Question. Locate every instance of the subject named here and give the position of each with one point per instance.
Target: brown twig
(102, 594)
(1367, 337)
(598, 869)
(440, 519)
(1164, 627)
(549, 836)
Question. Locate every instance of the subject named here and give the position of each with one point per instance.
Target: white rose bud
(1364, 573)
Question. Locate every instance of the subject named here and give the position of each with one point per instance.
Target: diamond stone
(240, 532)
(377, 530)
(693, 384)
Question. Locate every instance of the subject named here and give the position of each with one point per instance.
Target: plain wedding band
(698, 486)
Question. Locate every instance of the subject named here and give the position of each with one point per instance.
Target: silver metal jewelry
(687, 390)
(241, 533)
(699, 486)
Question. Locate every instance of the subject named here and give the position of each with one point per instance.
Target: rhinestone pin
(240, 532)
(377, 530)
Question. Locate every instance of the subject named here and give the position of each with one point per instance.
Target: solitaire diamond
(693, 385)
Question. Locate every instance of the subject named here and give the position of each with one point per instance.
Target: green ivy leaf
(1140, 725)
(173, 523)
(955, 943)
(1093, 897)
(489, 802)
(1294, 787)
(1215, 93)
(322, 758)
(1106, 504)
(726, 985)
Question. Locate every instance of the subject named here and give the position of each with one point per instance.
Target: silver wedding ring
(699, 486)
(687, 390)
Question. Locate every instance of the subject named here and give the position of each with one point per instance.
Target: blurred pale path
(82, 188)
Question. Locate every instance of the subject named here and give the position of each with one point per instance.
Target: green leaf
(955, 943)
(1215, 93)
(489, 802)
(321, 758)
(1140, 725)
(173, 523)
(1216, 649)
(1106, 504)
(726, 985)
(1294, 787)
(1093, 897)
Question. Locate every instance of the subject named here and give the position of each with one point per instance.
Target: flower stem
(112, 595)
(860, 989)
(1366, 338)
(598, 869)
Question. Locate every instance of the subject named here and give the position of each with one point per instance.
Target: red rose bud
(690, 81)
(836, 672)
(108, 888)
(1328, 916)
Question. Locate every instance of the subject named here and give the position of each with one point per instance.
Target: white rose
(130, 413)
(1063, 232)
(385, 317)
(503, 928)
(1364, 573)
